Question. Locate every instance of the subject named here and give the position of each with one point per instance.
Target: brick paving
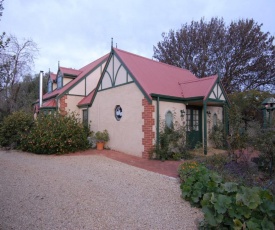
(168, 168)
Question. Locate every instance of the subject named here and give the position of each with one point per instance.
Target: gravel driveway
(87, 192)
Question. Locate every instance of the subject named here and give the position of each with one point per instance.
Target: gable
(217, 93)
(115, 75)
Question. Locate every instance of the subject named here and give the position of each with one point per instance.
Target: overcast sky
(77, 32)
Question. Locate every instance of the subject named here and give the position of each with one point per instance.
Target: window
(196, 120)
(215, 120)
(85, 117)
(192, 120)
(59, 80)
(188, 119)
(169, 119)
(118, 112)
(50, 86)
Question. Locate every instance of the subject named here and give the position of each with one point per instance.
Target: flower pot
(100, 145)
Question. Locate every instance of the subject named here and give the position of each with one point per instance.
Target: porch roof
(50, 103)
(86, 100)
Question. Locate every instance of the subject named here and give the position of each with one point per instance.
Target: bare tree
(3, 40)
(241, 52)
(16, 61)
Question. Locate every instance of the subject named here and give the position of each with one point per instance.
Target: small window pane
(169, 119)
(85, 117)
(50, 86)
(215, 119)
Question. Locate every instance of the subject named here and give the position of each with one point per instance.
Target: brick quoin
(147, 127)
(63, 106)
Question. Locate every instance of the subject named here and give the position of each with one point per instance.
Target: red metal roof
(198, 88)
(87, 100)
(159, 78)
(53, 76)
(49, 103)
(70, 71)
(83, 72)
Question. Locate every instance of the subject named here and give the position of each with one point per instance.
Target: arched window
(59, 81)
(50, 86)
(215, 120)
(169, 119)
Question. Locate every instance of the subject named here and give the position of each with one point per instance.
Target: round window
(118, 112)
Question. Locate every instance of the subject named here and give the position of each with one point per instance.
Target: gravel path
(87, 192)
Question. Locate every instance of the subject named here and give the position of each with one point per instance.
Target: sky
(77, 32)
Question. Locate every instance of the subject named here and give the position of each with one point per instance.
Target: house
(134, 93)
(130, 95)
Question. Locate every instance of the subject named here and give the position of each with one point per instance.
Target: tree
(29, 92)
(240, 52)
(249, 104)
(3, 41)
(1, 7)
(16, 61)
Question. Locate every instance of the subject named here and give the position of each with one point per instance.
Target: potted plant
(101, 139)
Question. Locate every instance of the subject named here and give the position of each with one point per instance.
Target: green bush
(56, 134)
(172, 144)
(102, 136)
(226, 205)
(216, 135)
(13, 126)
(196, 181)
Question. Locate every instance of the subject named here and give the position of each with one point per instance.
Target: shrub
(216, 135)
(265, 143)
(172, 143)
(54, 133)
(196, 181)
(226, 205)
(13, 126)
(102, 136)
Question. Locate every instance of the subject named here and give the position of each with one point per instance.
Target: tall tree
(3, 40)
(16, 61)
(29, 92)
(241, 52)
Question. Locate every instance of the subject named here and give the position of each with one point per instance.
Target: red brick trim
(63, 105)
(147, 127)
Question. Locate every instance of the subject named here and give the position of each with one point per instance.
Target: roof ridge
(68, 68)
(199, 79)
(162, 63)
(103, 57)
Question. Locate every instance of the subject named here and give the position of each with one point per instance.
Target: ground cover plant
(226, 204)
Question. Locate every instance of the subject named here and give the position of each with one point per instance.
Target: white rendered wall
(125, 135)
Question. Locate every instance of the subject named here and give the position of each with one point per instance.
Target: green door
(194, 126)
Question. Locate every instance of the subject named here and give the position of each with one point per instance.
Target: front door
(194, 126)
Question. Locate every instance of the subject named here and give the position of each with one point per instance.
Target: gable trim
(216, 84)
(113, 54)
(134, 79)
(80, 80)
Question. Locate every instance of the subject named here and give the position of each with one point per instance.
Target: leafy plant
(197, 180)
(265, 143)
(226, 205)
(172, 143)
(13, 126)
(216, 135)
(55, 134)
(102, 136)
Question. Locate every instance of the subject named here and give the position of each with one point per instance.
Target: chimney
(41, 88)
